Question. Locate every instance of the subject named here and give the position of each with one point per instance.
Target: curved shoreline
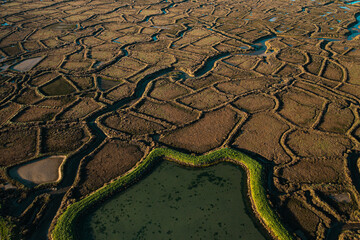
(65, 226)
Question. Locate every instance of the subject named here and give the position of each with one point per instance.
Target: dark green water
(176, 203)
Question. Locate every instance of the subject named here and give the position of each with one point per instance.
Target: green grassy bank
(65, 227)
(6, 228)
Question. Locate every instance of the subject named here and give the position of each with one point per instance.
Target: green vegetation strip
(6, 228)
(65, 229)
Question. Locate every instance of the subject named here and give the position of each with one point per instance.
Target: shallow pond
(273, 19)
(27, 64)
(43, 170)
(176, 203)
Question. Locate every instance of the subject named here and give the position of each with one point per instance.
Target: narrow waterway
(354, 28)
(71, 167)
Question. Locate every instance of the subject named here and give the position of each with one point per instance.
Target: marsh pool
(174, 202)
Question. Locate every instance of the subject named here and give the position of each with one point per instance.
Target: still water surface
(176, 203)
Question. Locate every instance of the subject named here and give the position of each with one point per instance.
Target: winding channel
(72, 164)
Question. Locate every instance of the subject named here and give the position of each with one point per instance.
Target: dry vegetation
(103, 82)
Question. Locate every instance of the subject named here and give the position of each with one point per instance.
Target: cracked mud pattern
(104, 82)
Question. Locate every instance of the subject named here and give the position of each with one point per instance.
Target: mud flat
(27, 64)
(43, 170)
